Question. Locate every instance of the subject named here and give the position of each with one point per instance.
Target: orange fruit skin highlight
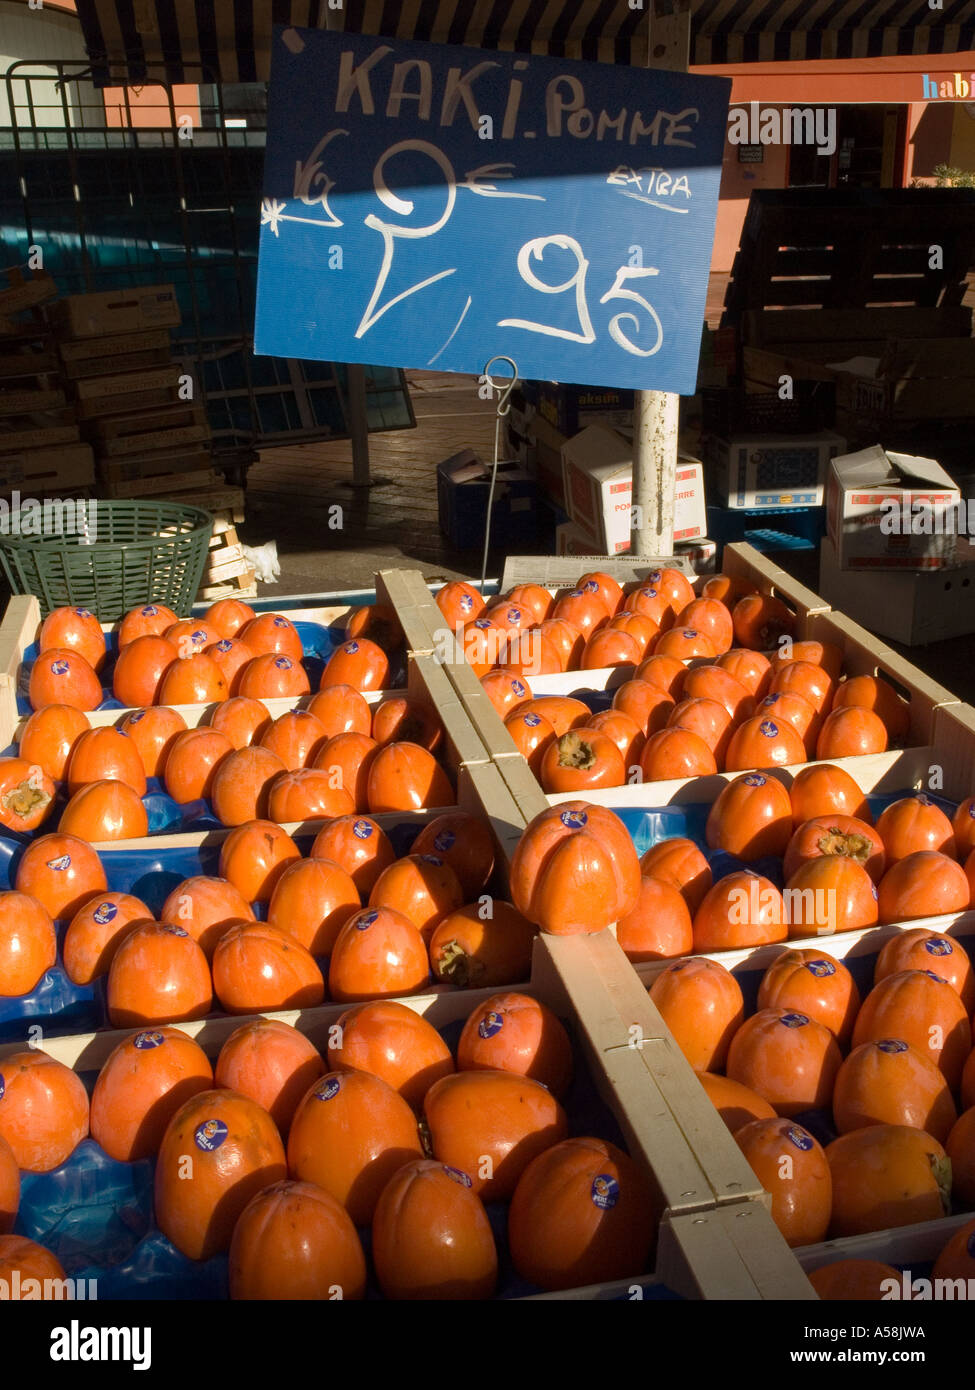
(23, 1258)
(159, 974)
(788, 1058)
(295, 1242)
(802, 1190)
(350, 1134)
(925, 1012)
(431, 1238)
(271, 1063)
(493, 1114)
(702, 1005)
(887, 1082)
(394, 1043)
(145, 1080)
(236, 1151)
(9, 1188)
(516, 1033)
(575, 870)
(43, 1110)
(816, 984)
(582, 1213)
(28, 947)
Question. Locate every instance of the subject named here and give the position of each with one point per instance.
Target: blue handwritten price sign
(431, 206)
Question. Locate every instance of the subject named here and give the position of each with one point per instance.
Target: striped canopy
(229, 40)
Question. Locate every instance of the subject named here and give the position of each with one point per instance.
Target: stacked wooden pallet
(41, 451)
(135, 406)
(228, 573)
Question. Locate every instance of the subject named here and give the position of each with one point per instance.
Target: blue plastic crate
(785, 528)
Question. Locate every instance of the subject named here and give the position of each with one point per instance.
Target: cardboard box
(597, 468)
(463, 484)
(891, 511)
(126, 310)
(570, 409)
(916, 607)
(771, 470)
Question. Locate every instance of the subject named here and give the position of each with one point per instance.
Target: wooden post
(655, 413)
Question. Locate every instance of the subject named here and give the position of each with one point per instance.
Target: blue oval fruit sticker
(352, 648)
(59, 667)
(104, 913)
(210, 1135)
(768, 729)
(822, 969)
(892, 1045)
(794, 1020)
(937, 948)
(444, 841)
(457, 1175)
(799, 1137)
(146, 1041)
(327, 1088)
(574, 820)
(362, 830)
(284, 662)
(62, 862)
(605, 1191)
(490, 1024)
(365, 919)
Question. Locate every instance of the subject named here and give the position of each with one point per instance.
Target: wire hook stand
(504, 387)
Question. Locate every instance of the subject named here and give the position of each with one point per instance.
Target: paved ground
(293, 492)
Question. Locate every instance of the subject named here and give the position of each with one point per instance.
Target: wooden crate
(698, 1256)
(57, 470)
(60, 428)
(425, 680)
(161, 463)
(31, 402)
(863, 655)
(121, 346)
(160, 486)
(19, 293)
(824, 277)
(228, 573)
(751, 1260)
(138, 434)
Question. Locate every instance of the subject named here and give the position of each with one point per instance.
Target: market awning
(229, 40)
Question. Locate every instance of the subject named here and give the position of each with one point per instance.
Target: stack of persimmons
(351, 920)
(734, 708)
(891, 1076)
(340, 754)
(296, 1151)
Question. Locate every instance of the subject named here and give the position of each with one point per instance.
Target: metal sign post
(655, 413)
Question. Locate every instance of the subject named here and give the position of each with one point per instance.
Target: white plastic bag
(264, 561)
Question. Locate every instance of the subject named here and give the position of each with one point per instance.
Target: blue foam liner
(63, 1007)
(318, 643)
(96, 1214)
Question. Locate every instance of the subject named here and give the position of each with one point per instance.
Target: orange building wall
(737, 182)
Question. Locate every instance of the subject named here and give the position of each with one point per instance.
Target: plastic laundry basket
(107, 556)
